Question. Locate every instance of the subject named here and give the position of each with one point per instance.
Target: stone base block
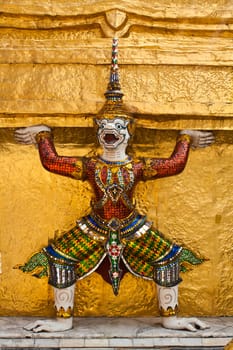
(115, 334)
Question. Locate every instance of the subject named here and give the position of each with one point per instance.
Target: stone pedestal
(175, 60)
(116, 334)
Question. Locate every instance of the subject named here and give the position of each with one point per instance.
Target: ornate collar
(123, 162)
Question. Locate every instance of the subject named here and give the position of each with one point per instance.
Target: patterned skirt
(125, 245)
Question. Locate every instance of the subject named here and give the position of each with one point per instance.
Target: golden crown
(114, 105)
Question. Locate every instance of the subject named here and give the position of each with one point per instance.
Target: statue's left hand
(191, 324)
(27, 136)
(50, 325)
(199, 139)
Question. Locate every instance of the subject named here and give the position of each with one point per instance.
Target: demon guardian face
(112, 132)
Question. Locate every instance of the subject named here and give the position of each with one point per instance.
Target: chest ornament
(114, 179)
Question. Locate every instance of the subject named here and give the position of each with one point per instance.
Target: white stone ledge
(114, 333)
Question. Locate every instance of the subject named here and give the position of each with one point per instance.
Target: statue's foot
(56, 325)
(191, 324)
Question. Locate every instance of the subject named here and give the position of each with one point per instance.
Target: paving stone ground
(115, 334)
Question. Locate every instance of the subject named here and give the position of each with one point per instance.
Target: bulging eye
(102, 126)
(119, 126)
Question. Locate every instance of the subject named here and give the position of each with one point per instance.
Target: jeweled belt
(131, 227)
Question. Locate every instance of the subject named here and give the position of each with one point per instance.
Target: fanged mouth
(110, 138)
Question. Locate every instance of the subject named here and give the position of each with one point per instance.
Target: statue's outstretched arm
(168, 306)
(64, 304)
(199, 139)
(41, 135)
(175, 164)
(27, 136)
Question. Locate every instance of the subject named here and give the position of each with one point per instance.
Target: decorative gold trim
(160, 263)
(148, 171)
(91, 233)
(184, 137)
(62, 254)
(169, 311)
(123, 222)
(78, 173)
(64, 313)
(43, 135)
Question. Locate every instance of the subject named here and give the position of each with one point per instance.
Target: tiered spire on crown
(114, 106)
(114, 92)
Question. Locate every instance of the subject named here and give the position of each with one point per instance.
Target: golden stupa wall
(176, 63)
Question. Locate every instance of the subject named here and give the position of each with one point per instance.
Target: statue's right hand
(27, 136)
(50, 325)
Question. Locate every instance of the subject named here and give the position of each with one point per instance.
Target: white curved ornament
(64, 301)
(168, 300)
